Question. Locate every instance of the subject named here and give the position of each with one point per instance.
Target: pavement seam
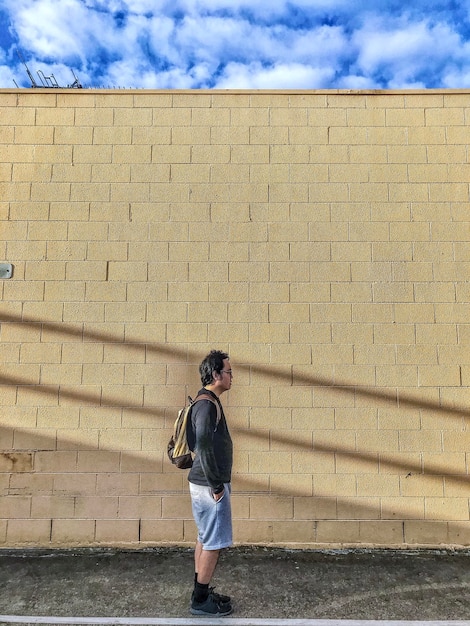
(177, 621)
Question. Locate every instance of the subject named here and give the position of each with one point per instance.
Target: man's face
(225, 380)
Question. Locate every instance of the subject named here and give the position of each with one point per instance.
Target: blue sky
(237, 44)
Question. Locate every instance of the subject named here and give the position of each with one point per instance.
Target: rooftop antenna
(31, 78)
(76, 83)
(47, 81)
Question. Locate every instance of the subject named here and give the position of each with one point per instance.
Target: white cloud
(7, 77)
(406, 43)
(281, 76)
(323, 44)
(232, 43)
(455, 79)
(355, 81)
(52, 29)
(403, 50)
(262, 9)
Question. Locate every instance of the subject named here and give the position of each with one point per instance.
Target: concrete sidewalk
(264, 583)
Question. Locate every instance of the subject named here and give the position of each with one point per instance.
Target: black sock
(200, 592)
(195, 578)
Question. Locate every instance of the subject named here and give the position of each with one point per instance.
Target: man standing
(210, 483)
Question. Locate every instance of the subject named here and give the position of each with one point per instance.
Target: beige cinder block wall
(322, 238)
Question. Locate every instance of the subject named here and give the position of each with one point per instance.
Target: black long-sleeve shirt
(211, 443)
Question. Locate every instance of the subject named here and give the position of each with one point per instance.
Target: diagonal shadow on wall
(245, 486)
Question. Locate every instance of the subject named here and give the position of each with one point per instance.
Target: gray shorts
(213, 519)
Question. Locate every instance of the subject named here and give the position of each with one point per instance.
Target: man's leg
(204, 600)
(197, 554)
(210, 518)
(205, 562)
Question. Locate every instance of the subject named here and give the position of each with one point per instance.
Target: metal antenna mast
(49, 82)
(31, 78)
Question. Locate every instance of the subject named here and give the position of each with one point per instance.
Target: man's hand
(218, 496)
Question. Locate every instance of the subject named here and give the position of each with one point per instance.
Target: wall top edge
(345, 92)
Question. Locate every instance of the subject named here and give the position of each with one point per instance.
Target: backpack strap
(205, 396)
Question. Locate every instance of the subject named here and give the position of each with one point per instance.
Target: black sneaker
(211, 606)
(219, 597)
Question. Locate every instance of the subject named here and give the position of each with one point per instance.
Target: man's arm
(205, 423)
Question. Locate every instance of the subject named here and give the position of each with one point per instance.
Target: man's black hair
(213, 362)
